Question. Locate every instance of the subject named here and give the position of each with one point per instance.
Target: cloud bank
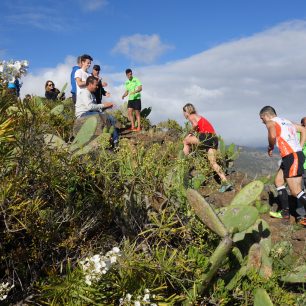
(141, 48)
(228, 84)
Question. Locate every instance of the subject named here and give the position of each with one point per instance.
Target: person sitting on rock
(207, 138)
(87, 105)
(52, 93)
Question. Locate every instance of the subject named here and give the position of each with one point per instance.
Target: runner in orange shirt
(283, 133)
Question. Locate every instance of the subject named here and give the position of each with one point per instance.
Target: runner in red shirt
(207, 138)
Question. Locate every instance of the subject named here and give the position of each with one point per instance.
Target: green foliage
(59, 207)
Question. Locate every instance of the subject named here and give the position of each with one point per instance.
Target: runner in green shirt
(133, 87)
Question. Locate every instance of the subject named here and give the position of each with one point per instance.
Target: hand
(270, 151)
(108, 105)
(107, 94)
(104, 84)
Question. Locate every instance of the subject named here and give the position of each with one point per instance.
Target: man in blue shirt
(72, 79)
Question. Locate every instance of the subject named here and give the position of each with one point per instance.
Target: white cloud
(228, 84)
(93, 5)
(141, 48)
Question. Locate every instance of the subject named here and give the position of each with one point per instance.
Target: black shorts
(135, 104)
(292, 164)
(208, 141)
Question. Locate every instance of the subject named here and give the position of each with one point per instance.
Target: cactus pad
(248, 194)
(261, 298)
(54, 142)
(85, 134)
(238, 217)
(57, 110)
(298, 275)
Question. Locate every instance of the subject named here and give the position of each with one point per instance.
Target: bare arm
(271, 136)
(302, 130)
(80, 82)
(125, 94)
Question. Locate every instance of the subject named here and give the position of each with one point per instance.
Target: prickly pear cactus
(298, 275)
(54, 142)
(100, 141)
(206, 213)
(261, 298)
(57, 110)
(237, 218)
(85, 134)
(248, 194)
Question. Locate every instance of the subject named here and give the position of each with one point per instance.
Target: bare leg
(138, 119)
(212, 159)
(189, 140)
(130, 116)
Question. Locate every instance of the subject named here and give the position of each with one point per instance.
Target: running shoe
(302, 221)
(226, 187)
(281, 214)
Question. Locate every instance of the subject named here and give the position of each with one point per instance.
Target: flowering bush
(10, 70)
(4, 290)
(94, 267)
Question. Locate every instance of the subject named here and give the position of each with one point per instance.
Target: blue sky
(229, 57)
(45, 32)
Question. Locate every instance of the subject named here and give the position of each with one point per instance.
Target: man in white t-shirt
(81, 74)
(87, 105)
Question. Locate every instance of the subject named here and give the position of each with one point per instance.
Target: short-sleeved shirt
(83, 75)
(204, 126)
(130, 86)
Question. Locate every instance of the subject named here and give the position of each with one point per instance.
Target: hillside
(255, 162)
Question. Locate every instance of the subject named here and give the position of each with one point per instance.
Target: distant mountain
(256, 162)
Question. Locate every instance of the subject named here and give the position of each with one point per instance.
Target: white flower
(116, 250)
(17, 65)
(103, 264)
(146, 291)
(146, 297)
(88, 280)
(95, 258)
(113, 259)
(137, 303)
(128, 297)
(1, 68)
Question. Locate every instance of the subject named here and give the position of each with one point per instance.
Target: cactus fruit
(237, 217)
(261, 298)
(54, 141)
(206, 213)
(298, 275)
(248, 194)
(85, 134)
(57, 110)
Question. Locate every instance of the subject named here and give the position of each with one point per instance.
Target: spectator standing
(100, 91)
(82, 74)
(133, 87)
(72, 79)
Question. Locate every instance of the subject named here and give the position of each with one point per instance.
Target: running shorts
(135, 104)
(292, 164)
(208, 141)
